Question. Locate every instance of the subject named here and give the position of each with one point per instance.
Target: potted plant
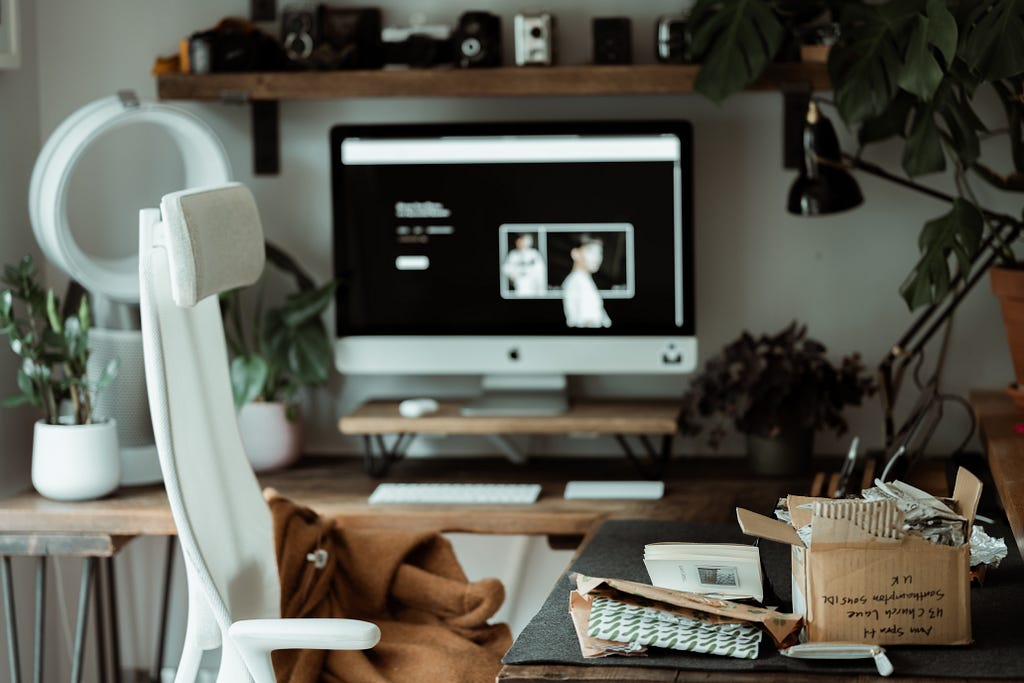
(777, 389)
(277, 351)
(914, 71)
(74, 456)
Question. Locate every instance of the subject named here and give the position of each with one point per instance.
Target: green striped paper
(637, 625)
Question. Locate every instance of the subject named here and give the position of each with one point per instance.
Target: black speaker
(613, 40)
(477, 40)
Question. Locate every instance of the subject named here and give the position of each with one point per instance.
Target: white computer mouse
(417, 407)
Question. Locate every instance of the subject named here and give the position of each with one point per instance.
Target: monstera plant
(906, 69)
(277, 350)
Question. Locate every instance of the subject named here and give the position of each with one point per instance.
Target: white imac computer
(521, 252)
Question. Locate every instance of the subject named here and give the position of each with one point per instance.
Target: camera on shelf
(672, 39)
(419, 46)
(477, 40)
(326, 37)
(232, 45)
(613, 40)
(534, 39)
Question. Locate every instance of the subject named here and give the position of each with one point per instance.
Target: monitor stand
(520, 395)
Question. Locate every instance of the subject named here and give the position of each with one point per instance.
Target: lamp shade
(823, 186)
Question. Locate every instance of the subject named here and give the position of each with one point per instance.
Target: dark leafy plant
(773, 384)
(282, 348)
(54, 351)
(906, 69)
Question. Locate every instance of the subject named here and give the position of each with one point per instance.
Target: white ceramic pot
(271, 440)
(75, 462)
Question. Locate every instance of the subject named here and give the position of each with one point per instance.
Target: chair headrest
(214, 241)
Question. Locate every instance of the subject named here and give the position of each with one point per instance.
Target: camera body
(672, 40)
(300, 34)
(326, 37)
(534, 39)
(613, 40)
(419, 46)
(477, 40)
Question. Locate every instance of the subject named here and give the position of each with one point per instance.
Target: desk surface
(998, 420)
(697, 488)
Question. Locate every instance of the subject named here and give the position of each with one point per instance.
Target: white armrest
(256, 638)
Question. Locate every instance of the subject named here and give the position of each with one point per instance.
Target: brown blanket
(433, 621)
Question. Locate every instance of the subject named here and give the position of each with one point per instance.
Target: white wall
(757, 268)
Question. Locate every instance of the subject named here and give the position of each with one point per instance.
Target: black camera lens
(536, 32)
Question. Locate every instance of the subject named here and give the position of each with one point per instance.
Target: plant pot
(784, 455)
(271, 438)
(75, 462)
(1008, 286)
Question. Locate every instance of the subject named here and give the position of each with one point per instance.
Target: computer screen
(518, 247)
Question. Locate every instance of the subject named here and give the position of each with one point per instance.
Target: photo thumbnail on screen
(580, 263)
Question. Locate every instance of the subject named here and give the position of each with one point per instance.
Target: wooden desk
(641, 420)
(699, 488)
(928, 475)
(998, 421)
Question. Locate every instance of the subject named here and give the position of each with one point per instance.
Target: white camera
(534, 39)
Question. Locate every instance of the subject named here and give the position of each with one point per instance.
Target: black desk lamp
(824, 187)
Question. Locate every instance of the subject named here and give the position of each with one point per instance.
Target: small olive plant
(54, 351)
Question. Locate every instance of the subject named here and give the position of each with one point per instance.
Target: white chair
(198, 244)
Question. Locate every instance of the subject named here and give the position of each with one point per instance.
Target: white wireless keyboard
(455, 494)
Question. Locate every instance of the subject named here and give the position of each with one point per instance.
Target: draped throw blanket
(433, 621)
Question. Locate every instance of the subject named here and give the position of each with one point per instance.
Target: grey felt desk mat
(616, 551)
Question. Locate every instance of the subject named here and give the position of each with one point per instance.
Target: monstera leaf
(993, 40)
(865, 65)
(734, 40)
(956, 234)
(933, 36)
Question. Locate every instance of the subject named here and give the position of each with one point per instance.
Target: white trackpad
(608, 490)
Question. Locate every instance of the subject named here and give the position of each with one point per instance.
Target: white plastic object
(837, 650)
(614, 490)
(257, 638)
(271, 439)
(454, 494)
(205, 163)
(417, 407)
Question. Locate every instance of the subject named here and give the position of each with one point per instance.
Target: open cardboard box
(851, 586)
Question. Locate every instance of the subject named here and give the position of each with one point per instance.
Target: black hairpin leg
(84, 593)
(11, 619)
(165, 603)
(378, 456)
(108, 643)
(37, 646)
(653, 466)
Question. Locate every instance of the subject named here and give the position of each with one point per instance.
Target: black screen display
(454, 242)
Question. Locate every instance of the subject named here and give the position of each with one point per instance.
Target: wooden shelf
(638, 79)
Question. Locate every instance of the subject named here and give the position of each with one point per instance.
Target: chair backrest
(200, 243)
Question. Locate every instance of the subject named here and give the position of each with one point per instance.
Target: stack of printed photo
(727, 571)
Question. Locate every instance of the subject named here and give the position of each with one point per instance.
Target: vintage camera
(420, 46)
(300, 34)
(233, 45)
(672, 39)
(534, 39)
(477, 40)
(613, 40)
(349, 38)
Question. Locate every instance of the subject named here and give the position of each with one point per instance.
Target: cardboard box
(852, 585)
